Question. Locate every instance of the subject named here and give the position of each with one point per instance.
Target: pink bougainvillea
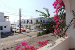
(57, 5)
(43, 43)
(65, 34)
(61, 20)
(24, 43)
(16, 48)
(25, 47)
(56, 20)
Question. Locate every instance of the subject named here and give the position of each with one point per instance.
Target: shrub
(49, 30)
(40, 34)
(49, 27)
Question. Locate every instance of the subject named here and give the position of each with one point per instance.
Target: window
(36, 20)
(4, 26)
(27, 21)
(1, 27)
(18, 26)
(41, 20)
(31, 22)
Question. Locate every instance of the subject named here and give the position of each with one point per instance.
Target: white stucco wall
(7, 24)
(32, 27)
(1, 17)
(33, 20)
(70, 5)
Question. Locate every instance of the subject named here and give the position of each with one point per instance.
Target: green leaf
(46, 15)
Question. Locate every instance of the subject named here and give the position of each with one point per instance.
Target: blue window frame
(41, 20)
(18, 25)
(1, 27)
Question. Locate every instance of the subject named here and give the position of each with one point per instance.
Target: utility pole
(20, 19)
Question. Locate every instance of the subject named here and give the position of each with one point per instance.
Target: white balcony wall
(70, 5)
(61, 44)
(7, 24)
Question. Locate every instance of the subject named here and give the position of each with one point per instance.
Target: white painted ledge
(61, 44)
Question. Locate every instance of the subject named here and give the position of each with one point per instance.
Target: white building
(26, 23)
(4, 23)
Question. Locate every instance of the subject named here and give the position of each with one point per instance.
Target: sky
(11, 8)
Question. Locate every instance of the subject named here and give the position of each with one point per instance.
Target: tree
(49, 27)
(46, 15)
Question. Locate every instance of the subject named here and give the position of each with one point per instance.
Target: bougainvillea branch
(60, 22)
(70, 23)
(59, 6)
(25, 47)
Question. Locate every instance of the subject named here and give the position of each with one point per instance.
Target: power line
(10, 13)
(5, 5)
(14, 10)
(15, 14)
(28, 11)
